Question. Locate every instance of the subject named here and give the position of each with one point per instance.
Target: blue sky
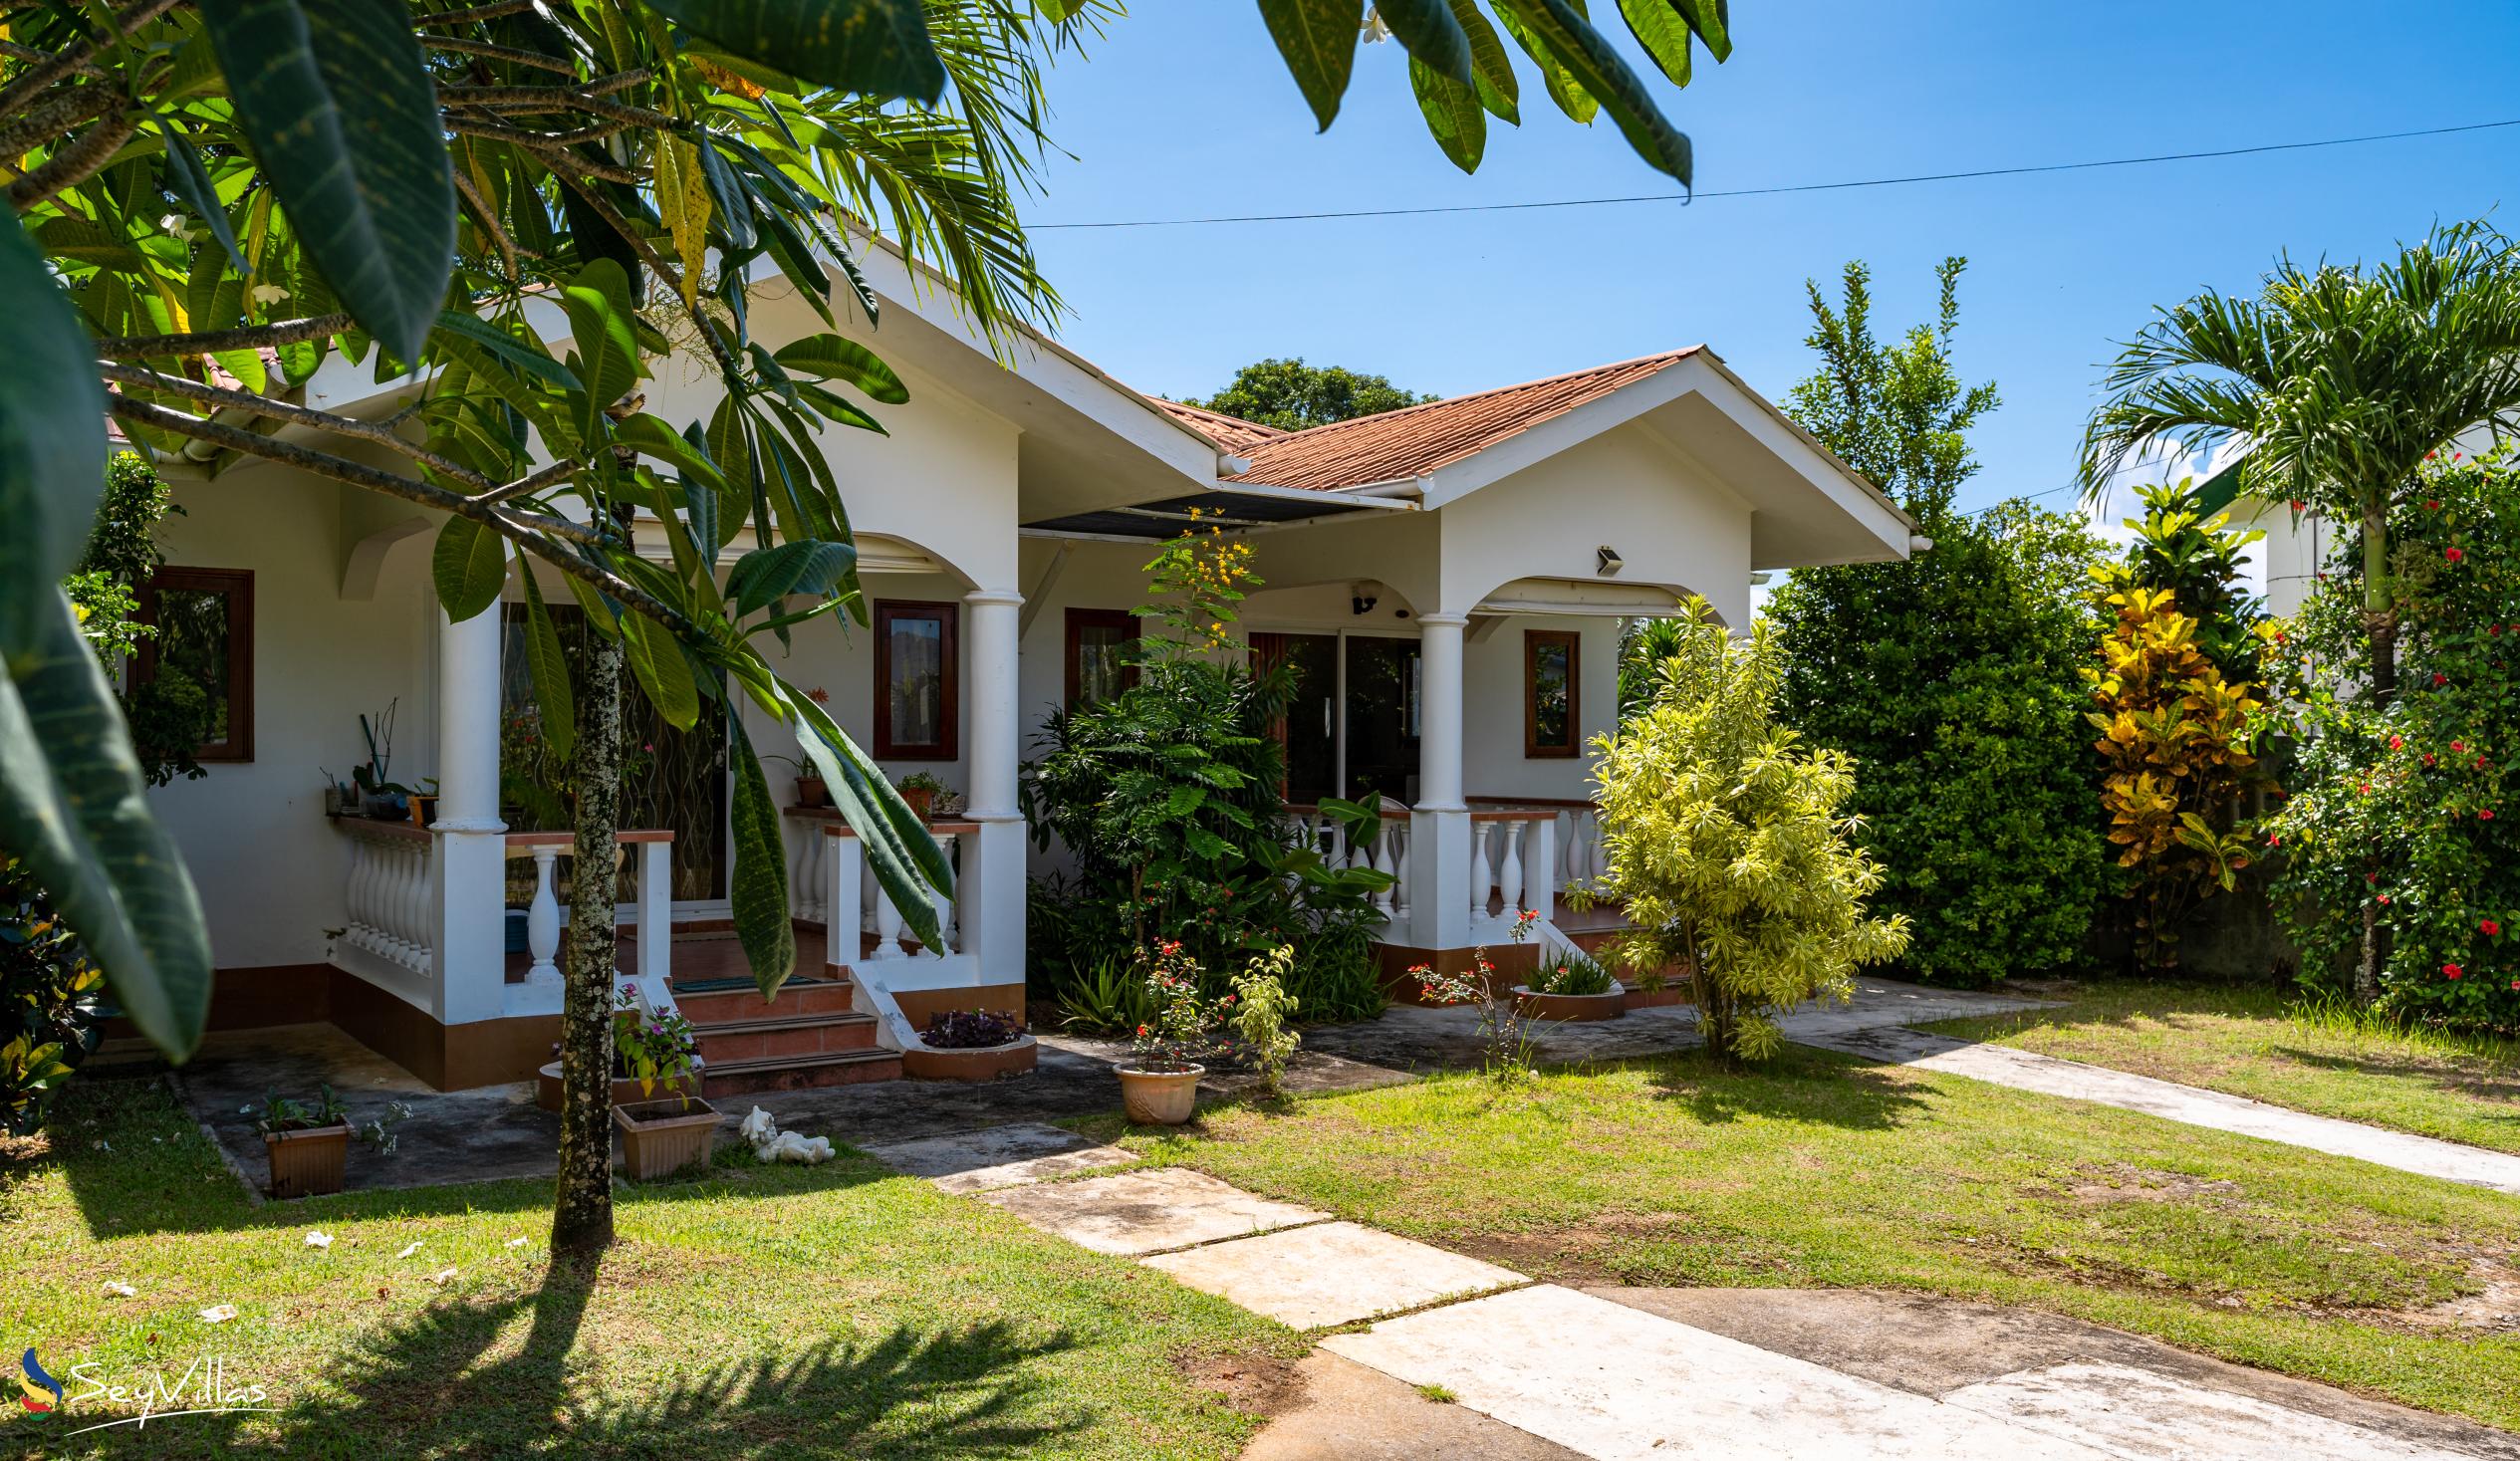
(1183, 109)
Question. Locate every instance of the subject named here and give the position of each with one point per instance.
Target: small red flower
(2458, 745)
(2367, 789)
(2489, 929)
(2433, 504)
(2428, 758)
(2439, 678)
(2453, 554)
(2396, 742)
(2384, 897)
(2452, 970)
(2485, 816)
(2298, 504)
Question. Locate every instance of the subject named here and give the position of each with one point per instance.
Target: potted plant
(811, 789)
(1161, 1085)
(922, 790)
(379, 798)
(970, 1045)
(425, 804)
(1573, 986)
(659, 1137)
(307, 1142)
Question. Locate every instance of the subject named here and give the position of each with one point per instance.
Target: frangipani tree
(1730, 844)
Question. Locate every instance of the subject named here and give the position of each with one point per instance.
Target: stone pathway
(2002, 1065)
(1557, 1371)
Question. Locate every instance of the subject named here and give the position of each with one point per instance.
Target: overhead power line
(1803, 187)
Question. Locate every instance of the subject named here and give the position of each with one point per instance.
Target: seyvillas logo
(43, 1392)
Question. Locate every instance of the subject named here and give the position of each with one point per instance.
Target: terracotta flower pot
(921, 799)
(659, 1138)
(1160, 1097)
(307, 1163)
(626, 1089)
(811, 790)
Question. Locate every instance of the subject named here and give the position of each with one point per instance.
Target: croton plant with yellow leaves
(2176, 703)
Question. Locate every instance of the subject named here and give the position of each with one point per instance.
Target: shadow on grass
(1800, 1086)
(454, 1382)
(2442, 1074)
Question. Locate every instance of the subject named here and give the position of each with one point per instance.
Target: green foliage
(169, 716)
(2400, 813)
(1573, 972)
(1184, 1030)
(2177, 717)
(48, 1020)
(1730, 844)
(1262, 1013)
(1951, 679)
(1168, 797)
(1291, 395)
(1108, 997)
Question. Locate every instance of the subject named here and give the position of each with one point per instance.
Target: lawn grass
(2268, 1045)
(1822, 1171)
(755, 1312)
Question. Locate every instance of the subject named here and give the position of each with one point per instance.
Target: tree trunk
(581, 1212)
(2379, 624)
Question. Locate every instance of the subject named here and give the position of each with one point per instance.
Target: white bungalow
(1449, 581)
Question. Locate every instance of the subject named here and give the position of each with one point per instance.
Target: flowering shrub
(648, 1046)
(1504, 1034)
(2397, 819)
(1262, 1012)
(2176, 711)
(1184, 1030)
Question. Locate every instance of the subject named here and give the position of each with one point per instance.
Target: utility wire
(1805, 188)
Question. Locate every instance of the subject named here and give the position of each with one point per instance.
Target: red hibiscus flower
(2453, 554)
(2439, 678)
(2489, 927)
(2485, 816)
(2452, 970)
(2458, 745)
(2396, 742)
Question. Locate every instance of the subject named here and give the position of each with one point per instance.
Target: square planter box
(307, 1163)
(659, 1138)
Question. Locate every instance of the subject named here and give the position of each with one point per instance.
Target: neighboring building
(1449, 581)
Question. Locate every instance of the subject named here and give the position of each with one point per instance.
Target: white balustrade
(1512, 855)
(843, 871)
(542, 919)
(390, 895)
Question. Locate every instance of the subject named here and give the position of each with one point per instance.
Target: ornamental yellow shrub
(1729, 843)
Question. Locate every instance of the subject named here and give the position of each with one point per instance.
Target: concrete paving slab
(1936, 1346)
(1136, 1213)
(2137, 1414)
(1330, 1273)
(1616, 1384)
(1352, 1413)
(998, 1156)
(2002, 1064)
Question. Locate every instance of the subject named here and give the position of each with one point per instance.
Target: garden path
(1543, 1370)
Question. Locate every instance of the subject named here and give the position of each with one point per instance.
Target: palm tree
(2341, 381)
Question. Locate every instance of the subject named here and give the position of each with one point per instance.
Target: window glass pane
(192, 652)
(918, 691)
(1101, 666)
(1548, 692)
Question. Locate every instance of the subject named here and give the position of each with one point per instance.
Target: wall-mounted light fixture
(1362, 598)
(1610, 560)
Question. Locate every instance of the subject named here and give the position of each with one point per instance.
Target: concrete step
(801, 1073)
(719, 1000)
(776, 1038)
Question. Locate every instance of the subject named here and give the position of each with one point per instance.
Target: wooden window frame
(1533, 639)
(1080, 619)
(949, 614)
(238, 587)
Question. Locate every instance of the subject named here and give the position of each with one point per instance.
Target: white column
(990, 888)
(1440, 849)
(470, 963)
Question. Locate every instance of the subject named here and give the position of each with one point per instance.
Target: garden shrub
(1729, 846)
(1168, 795)
(2402, 816)
(48, 995)
(2176, 702)
(1953, 682)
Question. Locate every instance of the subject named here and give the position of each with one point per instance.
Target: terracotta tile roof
(1233, 433)
(1418, 440)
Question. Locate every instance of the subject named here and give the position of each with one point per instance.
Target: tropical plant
(1574, 972)
(1108, 997)
(168, 714)
(649, 1046)
(291, 1114)
(1262, 1013)
(2177, 715)
(2341, 381)
(1168, 796)
(1730, 845)
(1952, 679)
(49, 1019)
(1291, 395)
(2399, 820)
(1505, 1043)
(970, 1029)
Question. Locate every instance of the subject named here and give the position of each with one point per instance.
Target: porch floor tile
(1137, 1213)
(998, 1156)
(1330, 1273)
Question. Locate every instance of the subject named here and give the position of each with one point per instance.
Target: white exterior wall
(269, 867)
(1492, 759)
